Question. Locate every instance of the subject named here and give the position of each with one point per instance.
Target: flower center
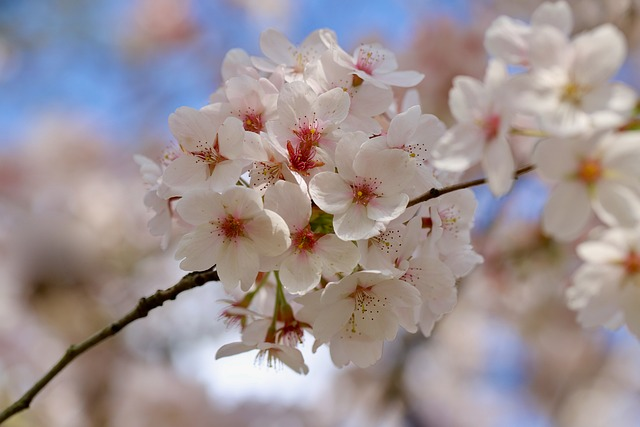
(305, 239)
(367, 60)
(590, 171)
(301, 157)
(253, 123)
(232, 227)
(491, 126)
(572, 93)
(632, 263)
(363, 193)
(309, 133)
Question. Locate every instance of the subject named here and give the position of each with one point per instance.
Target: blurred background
(85, 84)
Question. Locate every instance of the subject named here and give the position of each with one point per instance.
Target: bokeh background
(85, 84)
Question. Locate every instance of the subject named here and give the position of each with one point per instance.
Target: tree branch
(437, 192)
(144, 306)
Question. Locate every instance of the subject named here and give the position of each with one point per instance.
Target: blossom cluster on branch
(297, 180)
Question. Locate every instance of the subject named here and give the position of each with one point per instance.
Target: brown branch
(437, 192)
(144, 306)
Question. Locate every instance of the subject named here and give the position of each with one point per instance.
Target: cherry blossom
(365, 194)
(310, 253)
(359, 312)
(232, 231)
(606, 289)
(600, 174)
(483, 116)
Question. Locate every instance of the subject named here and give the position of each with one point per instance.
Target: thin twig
(437, 192)
(144, 306)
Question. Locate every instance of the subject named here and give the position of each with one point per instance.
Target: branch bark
(144, 306)
(437, 192)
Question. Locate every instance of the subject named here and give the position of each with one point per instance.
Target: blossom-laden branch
(144, 306)
(437, 192)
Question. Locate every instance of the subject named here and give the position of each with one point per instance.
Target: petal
(388, 207)
(499, 166)
(354, 224)
(466, 98)
(277, 47)
(556, 158)
(403, 126)
(269, 232)
(549, 48)
(556, 14)
(601, 252)
(200, 248)
(567, 211)
(230, 138)
(336, 255)
(193, 129)
(399, 78)
(241, 202)
(459, 148)
(332, 106)
(185, 172)
(290, 202)
(238, 264)
(506, 39)
(616, 204)
(599, 55)
(200, 206)
(332, 319)
(330, 192)
(232, 349)
(300, 272)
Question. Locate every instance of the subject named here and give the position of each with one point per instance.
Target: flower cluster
(301, 180)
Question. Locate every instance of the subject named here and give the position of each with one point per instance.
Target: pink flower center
(491, 127)
(367, 60)
(301, 157)
(232, 227)
(209, 155)
(309, 133)
(590, 171)
(253, 123)
(305, 239)
(363, 193)
(632, 263)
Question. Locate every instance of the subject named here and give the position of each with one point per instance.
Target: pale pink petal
(346, 151)
(232, 349)
(290, 202)
(459, 148)
(400, 78)
(238, 264)
(225, 175)
(185, 172)
(499, 166)
(466, 99)
(362, 353)
(330, 192)
(549, 48)
(403, 126)
(336, 255)
(599, 55)
(332, 106)
(200, 248)
(506, 39)
(200, 206)
(241, 202)
(269, 232)
(616, 204)
(557, 14)
(353, 224)
(231, 138)
(600, 252)
(300, 272)
(192, 128)
(567, 211)
(556, 159)
(277, 47)
(332, 319)
(388, 207)
(398, 292)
